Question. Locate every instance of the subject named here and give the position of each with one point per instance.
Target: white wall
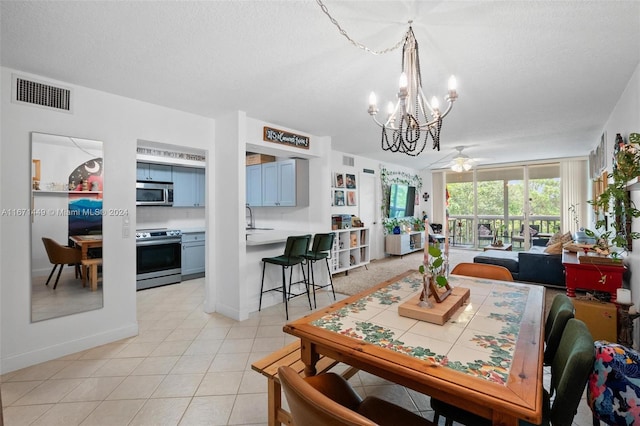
(119, 122)
(625, 119)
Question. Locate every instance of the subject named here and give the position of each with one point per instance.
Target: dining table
(487, 358)
(86, 242)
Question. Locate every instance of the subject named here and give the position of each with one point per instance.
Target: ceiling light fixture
(461, 162)
(412, 114)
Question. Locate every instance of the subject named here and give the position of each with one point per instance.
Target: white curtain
(574, 193)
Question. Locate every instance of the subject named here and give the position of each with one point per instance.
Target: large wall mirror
(66, 225)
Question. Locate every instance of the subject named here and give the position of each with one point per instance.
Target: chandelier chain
(355, 43)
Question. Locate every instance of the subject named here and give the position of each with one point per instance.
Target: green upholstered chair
(560, 313)
(321, 249)
(570, 369)
(294, 252)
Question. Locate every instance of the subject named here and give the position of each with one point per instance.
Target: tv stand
(401, 244)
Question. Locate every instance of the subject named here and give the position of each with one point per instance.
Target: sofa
(533, 265)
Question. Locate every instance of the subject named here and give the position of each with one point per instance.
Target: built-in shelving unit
(401, 244)
(350, 249)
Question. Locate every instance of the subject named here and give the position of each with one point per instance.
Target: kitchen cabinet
(154, 172)
(188, 186)
(254, 185)
(350, 249)
(285, 183)
(193, 255)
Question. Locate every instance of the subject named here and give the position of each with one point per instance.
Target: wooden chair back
(60, 255)
(311, 407)
(483, 270)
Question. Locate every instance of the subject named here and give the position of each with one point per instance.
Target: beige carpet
(377, 271)
(380, 270)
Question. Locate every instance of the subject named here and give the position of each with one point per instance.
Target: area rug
(379, 270)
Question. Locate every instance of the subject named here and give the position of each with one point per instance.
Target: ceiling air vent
(41, 94)
(348, 161)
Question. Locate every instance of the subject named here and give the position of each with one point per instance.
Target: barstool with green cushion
(294, 251)
(321, 249)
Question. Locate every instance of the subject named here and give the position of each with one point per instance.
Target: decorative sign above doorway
(286, 138)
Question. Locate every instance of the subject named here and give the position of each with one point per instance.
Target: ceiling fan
(461, 162)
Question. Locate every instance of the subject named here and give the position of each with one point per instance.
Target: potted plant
(391, 225)
(614, 202)
(434, 272)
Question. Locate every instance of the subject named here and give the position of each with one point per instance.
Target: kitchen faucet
(250, 223)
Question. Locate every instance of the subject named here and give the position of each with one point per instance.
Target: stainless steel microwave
(154, 193)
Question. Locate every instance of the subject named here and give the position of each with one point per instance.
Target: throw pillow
(533, 232)
(555, 238)
(567, 237)
(483, 230)
(554, 248)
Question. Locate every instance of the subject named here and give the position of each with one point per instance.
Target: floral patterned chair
(613, 391)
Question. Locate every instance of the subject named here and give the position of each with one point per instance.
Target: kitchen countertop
(193, 230)
(259, 237)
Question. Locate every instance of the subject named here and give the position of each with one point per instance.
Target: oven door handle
(159, 242)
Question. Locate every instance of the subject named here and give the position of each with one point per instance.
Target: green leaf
(441, 281)
(421, 269)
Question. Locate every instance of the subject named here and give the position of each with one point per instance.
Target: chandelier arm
(355, 43)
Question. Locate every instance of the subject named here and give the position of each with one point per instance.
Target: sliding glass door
(488, 206)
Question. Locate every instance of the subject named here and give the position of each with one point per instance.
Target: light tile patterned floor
(185, 367)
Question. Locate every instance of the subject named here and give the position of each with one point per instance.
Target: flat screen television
(401, 200)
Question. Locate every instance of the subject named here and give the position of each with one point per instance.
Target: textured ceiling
(536, 79)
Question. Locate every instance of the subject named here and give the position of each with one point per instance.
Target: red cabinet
(588, 276)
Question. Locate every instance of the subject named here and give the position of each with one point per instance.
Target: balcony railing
(463, 231)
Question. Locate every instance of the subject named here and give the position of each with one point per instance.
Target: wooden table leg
(309, 356)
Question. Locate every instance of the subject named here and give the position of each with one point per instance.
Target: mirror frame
(63, 204)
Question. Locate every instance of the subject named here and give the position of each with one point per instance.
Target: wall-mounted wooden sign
(286, 138)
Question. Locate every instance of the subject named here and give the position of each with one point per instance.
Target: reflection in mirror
(66, 225)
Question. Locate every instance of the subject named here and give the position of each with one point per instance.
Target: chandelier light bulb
(390, 108)
(403, 81)
(435, 104)
(372, 99)
(453, 84)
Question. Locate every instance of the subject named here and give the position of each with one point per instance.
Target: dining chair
(328, 399)
(60, 255)
(485, 232)
(483, 270)
(295, 249)
(570, 369)
(560, 313)
(320, 249)
(533, 231)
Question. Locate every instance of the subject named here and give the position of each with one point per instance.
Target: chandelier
(461, 162)
(412, 115)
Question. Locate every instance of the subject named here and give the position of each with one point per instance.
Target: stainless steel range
(158, 257)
